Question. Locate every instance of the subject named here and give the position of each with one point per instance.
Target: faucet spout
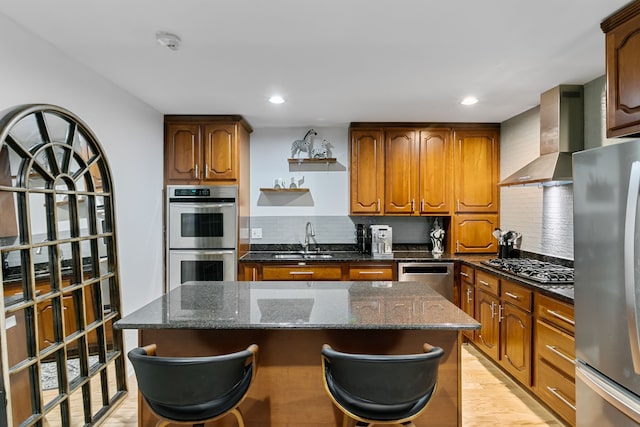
(308, 232)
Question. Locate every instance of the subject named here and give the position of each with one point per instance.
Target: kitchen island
(290, 321)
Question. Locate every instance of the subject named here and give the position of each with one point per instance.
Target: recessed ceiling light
(168, 40)
(276, 99)
(469, 100)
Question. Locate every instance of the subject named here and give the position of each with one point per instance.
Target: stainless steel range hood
(561, 133)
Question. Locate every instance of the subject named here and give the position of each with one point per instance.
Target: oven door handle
(199, 205)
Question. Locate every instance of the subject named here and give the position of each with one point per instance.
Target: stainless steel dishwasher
(437, 275)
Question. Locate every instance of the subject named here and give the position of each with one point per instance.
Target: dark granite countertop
(298, 305)
(562, 292)
(340, 256)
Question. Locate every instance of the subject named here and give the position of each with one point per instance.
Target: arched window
(62, 361)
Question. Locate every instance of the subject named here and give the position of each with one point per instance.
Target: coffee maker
(381, 239)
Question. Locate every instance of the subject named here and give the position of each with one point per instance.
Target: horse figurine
(303, 144)
(322, 152)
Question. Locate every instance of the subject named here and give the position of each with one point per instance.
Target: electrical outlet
(256, 233)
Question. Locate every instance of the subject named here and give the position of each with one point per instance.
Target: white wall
(328, 184)
(130, 132)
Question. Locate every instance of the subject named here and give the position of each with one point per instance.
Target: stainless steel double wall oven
(202, 234)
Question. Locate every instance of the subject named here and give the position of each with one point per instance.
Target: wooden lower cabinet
(374, 271)
(487, 338)
(528, 334)
(468, 296)
(554, 380)
(302, 272)
(46, 333)
(515, 342)
(352, 271)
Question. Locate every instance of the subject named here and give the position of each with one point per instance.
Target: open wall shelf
(285, 190)
(327, 160)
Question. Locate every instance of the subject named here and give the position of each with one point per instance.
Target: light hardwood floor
(489, 398)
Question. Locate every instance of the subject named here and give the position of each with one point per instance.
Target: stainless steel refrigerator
(606, 187)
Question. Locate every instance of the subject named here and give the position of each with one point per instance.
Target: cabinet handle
(500, 316)
(482, 282)
(371, 272)
(458, 205)
(378, 204)
(412, 204)
(457, 245)
(561, 317)
(197, 175)
(554, 391)
(493, 310)
(206, 170)
(469, 299)
(554, 350)
(422, 205)
(462, 273)
(297, 273)
(510, 295)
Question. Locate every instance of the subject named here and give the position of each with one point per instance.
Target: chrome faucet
(308, 231)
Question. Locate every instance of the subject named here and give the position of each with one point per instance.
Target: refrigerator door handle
(629, 261)
(615, 395)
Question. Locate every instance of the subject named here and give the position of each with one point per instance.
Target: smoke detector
(168, 40)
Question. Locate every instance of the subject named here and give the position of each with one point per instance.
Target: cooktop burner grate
(533, 269)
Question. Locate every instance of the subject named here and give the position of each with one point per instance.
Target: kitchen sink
(298, 255)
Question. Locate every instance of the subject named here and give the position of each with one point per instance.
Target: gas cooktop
(533, 269)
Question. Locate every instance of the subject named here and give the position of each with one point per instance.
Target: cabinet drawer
(467, 274)
(301, 272)
(556, 347)
(555, 312)
(371, 272)
(487, 282)
(558, 391)
(517, 295)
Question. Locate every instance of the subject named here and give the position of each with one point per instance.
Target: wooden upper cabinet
(473, 233)
(203, 149)
(182, 152)
(401, 171)
(434, 182)
(417, 171)
(219, 152)
(622, 31)
(367, 172)
(476, 170)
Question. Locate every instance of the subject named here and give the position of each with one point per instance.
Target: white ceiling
(335, 61)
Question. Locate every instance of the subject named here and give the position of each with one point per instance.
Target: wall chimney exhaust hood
(561, 134)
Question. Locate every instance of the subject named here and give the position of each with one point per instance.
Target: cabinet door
(434, 179)
(515, 342)
(467, 302)
(623, 79)
(45, 320)
(488, 337)
(219, 153)
(476, 170)
(367, 172)
(472, 233)
(371, 272)
(401, 172)
(182, 152)
(301, 272)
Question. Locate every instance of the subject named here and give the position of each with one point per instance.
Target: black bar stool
(381, 389)
(194, 390)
